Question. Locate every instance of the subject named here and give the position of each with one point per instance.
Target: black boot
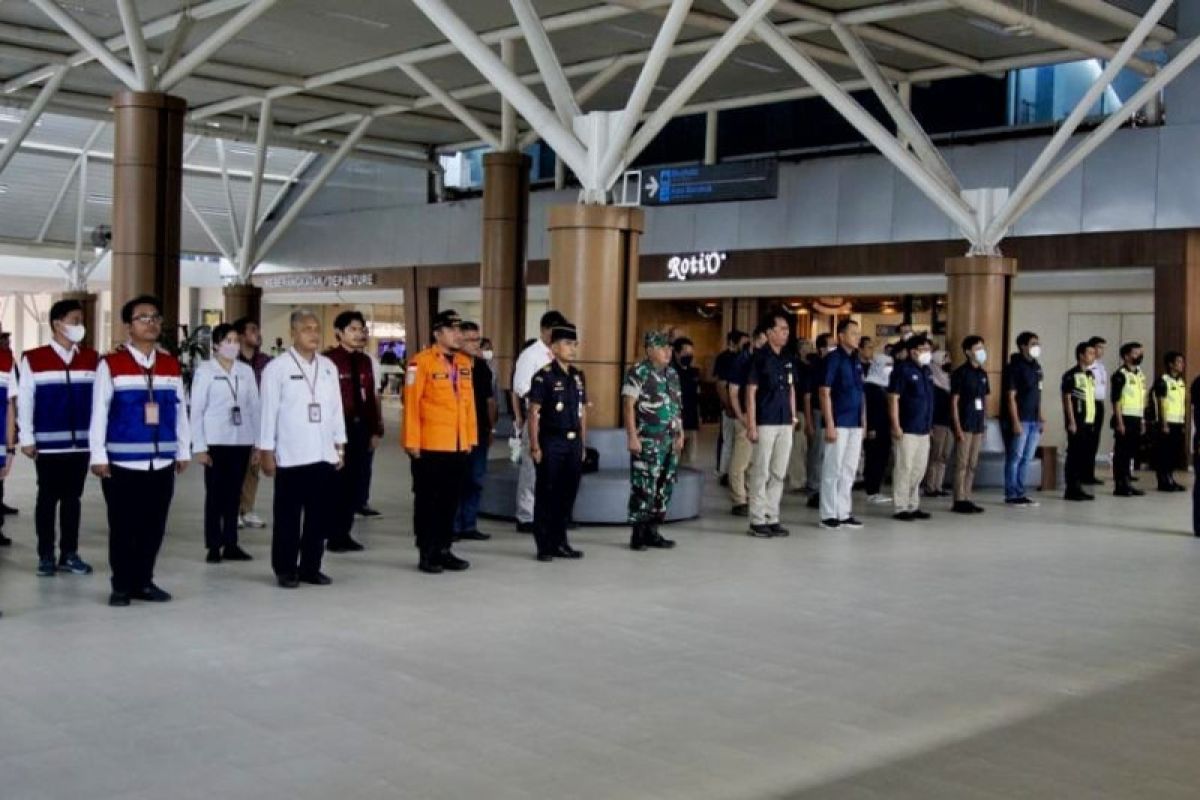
(655, 539)
(638, 540)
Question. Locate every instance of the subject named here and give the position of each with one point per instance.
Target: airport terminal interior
(646, 168)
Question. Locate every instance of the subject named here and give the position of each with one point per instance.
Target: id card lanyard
(314, 408)
(151, 412)
(232, 382)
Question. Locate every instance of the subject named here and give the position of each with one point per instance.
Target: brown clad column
(89, 301)
(594, 282)
(979, 301)
(1177, 305)
(243, 300)
(147, 196)
(502, 268)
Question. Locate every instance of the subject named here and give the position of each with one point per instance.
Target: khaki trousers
(739, 463)
(249, 490)
(768, 472)
(941, 442)
(798, 462)
(912, 455)
(965, 462)
(691, 440)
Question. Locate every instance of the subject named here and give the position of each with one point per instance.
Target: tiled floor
(1052, 653)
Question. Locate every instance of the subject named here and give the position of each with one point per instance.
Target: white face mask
(228, 351)
(925, 359)
(887, 372)
(1035, 351)
(74, 333)
(981, 357)
(488, 355)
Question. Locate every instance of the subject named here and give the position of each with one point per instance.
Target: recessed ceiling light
(357, 20)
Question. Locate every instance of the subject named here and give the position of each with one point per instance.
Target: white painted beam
(460, 112)
(88, 42)
(31, 116)
(216, 40)
(132, 25)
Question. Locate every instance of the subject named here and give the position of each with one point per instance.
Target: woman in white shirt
(225, 414)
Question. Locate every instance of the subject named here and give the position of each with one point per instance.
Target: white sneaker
(878, 499)
(252, 520)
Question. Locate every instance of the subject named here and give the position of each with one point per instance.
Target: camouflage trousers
(651, 479)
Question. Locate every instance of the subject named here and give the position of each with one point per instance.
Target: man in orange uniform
(439, 432)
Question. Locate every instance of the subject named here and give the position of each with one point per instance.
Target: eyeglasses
(149, 319)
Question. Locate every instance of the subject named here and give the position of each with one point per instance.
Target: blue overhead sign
(715, 183)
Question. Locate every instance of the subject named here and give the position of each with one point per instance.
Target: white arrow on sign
(652, 186)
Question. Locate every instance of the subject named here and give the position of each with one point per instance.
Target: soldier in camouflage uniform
(651, 397)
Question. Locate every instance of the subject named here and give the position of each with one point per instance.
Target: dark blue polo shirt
(913, 384)
(971, 385)
(739, 375)
(724, 365)
(844, 378)
(1024, 376)
(773, 375)
(689, 395)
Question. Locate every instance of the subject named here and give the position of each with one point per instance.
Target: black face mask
(686, 360)
(746, 347)
(1137, 362)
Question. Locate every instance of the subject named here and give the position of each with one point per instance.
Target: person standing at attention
(969, 390)
(844, 411)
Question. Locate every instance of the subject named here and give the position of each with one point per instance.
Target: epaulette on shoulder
(547, 368)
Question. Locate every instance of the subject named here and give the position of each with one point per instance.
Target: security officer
(439, 432)
(1171, 393)
(654, 427)
(1129, 417)
(968, 396)
(1100, 373)
(1079, 412)
(910, 408)
(558, 435)
(770, 422)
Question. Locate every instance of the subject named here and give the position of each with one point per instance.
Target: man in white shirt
(302, 443)
(532, 359)
(1100, 373)
(139, 438)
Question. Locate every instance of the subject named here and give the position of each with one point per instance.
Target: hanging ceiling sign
(320, 280)
(712, 183)
(700, 265)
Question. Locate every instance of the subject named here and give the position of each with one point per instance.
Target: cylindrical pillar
(593, 281)
(147, 196)
(90, 303)
(502, 267)
(243, 300)
(979, 302)
(746, 314)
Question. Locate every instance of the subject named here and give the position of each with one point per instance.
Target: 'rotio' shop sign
(700, 265)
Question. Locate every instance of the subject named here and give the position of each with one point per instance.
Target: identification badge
(558, 406)
(1039, 386)
(789, 379)
(151, 413)
(235, 415)
(314, 412)
(979, 404)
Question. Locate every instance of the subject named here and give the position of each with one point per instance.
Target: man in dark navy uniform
(557, 433)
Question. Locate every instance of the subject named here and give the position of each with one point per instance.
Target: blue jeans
(1021, 449)
(468, 503)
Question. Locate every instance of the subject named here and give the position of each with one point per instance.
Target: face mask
(1035, 351)
(904, 337)
(924, 359)
(74, 333)
(488, 355)
(228, 351)
(686, 360)
(1137, 362)
(981, 357)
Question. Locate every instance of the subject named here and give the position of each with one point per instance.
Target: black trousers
(302, 512)
(223, 493)
(876, 453)
(1167, 449)
(1196, 496)
(138, 502)
(1079, 450)
(1125, 449)
(354, 473)
(60, 480)
(438, 478)
(558, 477)
(1098, 426)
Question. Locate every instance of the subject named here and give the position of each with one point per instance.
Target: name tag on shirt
(314, 412)
(235, 415)
(151, 413)
(1039, 386)
(979, 404)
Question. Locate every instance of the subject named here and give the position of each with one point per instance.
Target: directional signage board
(715, 183)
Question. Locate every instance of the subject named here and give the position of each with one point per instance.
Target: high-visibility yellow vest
(1085, 394)
(1133, 393)
(1174, 404)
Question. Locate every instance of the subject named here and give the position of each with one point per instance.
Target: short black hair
(484, 342)
(1097, 340)
(916, 341)
(1170, 357)
(468, 326)
(140, 300)
(343, 320)
(64, 307)
(822, 341)
(1025, 338)
(527, 343)
(240, 325)
(769, 319)
(221, 331)
(681, 343)
(734, 336)
(864, 341)
(759, 330)
(845, 324)
(552, 319)
(970, 342)
(1129, 347)
(1082, 348)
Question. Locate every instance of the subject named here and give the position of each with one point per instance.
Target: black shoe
(1093, 481)
(367, 511)
(975, 509)
(473, 535)
(152, 594)
(776, 530)
(1123, 491)
(235, 553)
(347, 545)
(760, 531)
(566, 551)
(903, 516)
(814, 500)
(548, 557)
(740, 510)
(287, 581)
(5, 541)
(724, 481)
(1178, 487)
(919, 514)
(830, 524)
(524, 527)
(963, 507)
(430, 565)
(1137, 492)
(316, 579)
(849, 522)
(118, 599)
(1077, 495)
(8, 510)
(637, 539)
(451, 562)
(214, 555)
(655, 539)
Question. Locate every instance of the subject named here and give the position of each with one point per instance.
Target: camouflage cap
(655, 339)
